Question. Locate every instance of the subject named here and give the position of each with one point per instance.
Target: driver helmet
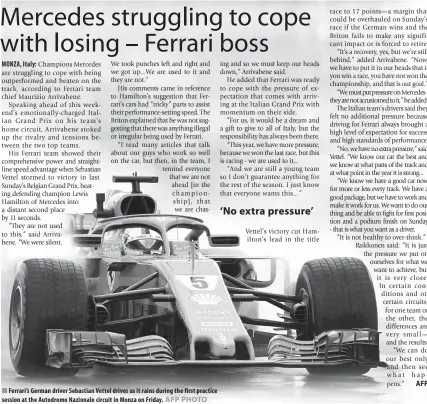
(145, 243)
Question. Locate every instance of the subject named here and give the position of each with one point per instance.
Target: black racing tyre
(47, 293)
(341, 295)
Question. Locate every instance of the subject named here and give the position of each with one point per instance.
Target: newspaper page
(213, 201)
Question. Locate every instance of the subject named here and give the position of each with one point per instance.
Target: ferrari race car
(144, 291)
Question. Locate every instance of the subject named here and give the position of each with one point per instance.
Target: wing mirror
(91, 240)
(258, 272)
(224, 241)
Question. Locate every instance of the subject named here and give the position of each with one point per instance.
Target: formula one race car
(142, 291)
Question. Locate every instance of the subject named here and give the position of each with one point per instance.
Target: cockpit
(145, 244)
(168, 239)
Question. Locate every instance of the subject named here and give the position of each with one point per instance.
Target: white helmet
(145, 242)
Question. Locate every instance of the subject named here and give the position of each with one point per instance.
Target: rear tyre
(341, 295)
(47, 293)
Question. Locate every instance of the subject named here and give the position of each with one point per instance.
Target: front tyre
(341, 296)
(47, 293)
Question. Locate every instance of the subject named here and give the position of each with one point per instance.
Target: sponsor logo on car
(212, 315)
(218, 329)
(218, 313)
(110, 247)
(205, 299)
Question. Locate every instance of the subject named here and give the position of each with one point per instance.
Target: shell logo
(205, 299)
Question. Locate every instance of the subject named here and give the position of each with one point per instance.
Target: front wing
(358, 347)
